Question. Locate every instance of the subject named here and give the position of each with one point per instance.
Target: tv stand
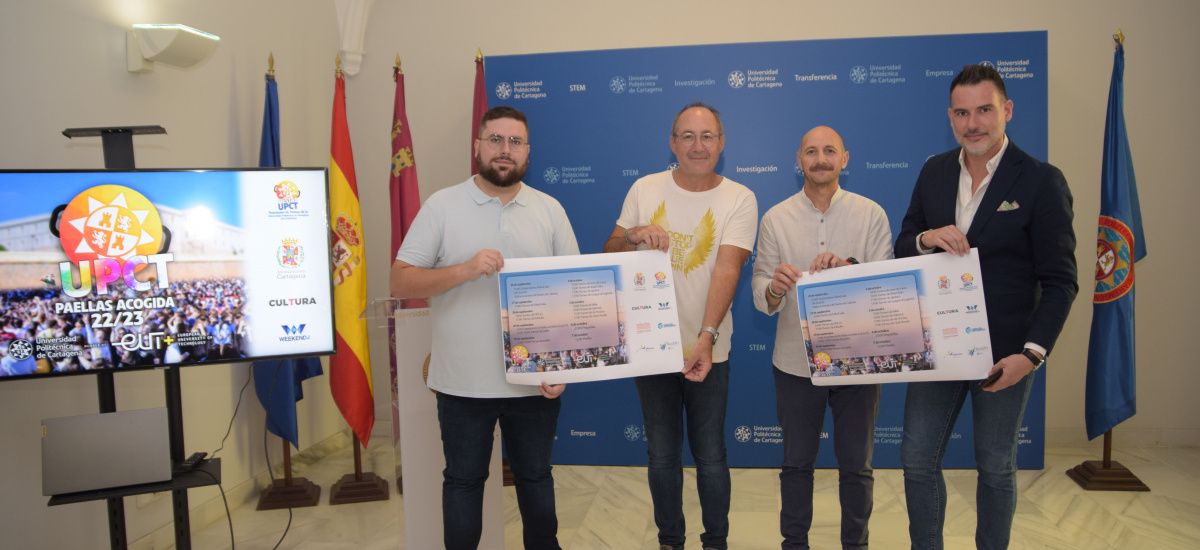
(207, 473)
(117, 142)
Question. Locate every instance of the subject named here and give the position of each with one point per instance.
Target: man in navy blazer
(1017, 211)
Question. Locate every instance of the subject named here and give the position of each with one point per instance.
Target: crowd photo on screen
(202, 320)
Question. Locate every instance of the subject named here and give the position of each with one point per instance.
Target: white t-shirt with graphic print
(698, 223)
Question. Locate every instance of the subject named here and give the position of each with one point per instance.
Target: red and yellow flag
(405, 194)
(478, 107)
(350, 369)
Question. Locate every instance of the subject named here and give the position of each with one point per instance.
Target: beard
(501, 179)
(980, 148)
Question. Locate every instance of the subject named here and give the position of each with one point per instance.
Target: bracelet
(631, 243)
(771, 291)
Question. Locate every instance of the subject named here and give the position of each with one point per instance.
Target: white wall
(64, 67)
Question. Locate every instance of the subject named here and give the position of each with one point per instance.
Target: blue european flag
(1110, 397)
(268, 150)
(277, 382)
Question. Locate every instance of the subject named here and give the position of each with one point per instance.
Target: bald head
(822, 135)
(822, 156)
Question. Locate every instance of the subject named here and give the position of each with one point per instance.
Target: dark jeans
(665, 398)
(801, 409)
(930, 410)
(468, 425)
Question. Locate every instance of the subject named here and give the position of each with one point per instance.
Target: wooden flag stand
(1106, 475)
(359, 486)
(289, 492)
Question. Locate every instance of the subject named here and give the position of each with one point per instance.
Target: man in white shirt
(706, 223)
(453, 249)
(823, 226)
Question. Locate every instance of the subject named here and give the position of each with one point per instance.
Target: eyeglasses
(497, 141)
(707, 139)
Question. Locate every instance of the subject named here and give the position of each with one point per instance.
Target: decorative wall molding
(352, 28)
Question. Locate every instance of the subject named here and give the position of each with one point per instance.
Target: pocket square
(1006, 206)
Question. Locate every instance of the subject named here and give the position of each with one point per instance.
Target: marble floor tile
(608, 508)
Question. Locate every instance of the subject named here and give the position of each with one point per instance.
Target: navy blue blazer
(1026, 253)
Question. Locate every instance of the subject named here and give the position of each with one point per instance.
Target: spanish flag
(350, 369)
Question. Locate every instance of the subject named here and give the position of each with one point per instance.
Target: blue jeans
(665, 398)
(801, 409)
(930, 410)
(468, 425)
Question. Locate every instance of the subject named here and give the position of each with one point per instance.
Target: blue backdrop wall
(601, 119)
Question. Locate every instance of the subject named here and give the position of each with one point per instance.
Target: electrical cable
(242, 393)
(228, 516)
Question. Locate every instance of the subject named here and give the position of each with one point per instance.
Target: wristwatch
(713, 330)
(1037, 361)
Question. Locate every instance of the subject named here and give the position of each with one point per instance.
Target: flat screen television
(111, 270)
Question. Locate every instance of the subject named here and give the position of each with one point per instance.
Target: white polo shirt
(467, 359)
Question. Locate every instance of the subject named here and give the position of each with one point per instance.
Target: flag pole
(479, 106)
(290, 492)
(1107, 474)
(392, 366)
(359, 486)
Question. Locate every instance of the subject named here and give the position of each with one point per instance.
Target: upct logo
(110, 221)
(736, 79)
(504, 90)
(109, 232)
(288, 194)
(20, 349)
(968, 281)
(293, 333)
(617, 84)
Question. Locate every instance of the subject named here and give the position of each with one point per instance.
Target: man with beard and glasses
(453, 249)
(1016, 210)
(822, 226)
(707, 224)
